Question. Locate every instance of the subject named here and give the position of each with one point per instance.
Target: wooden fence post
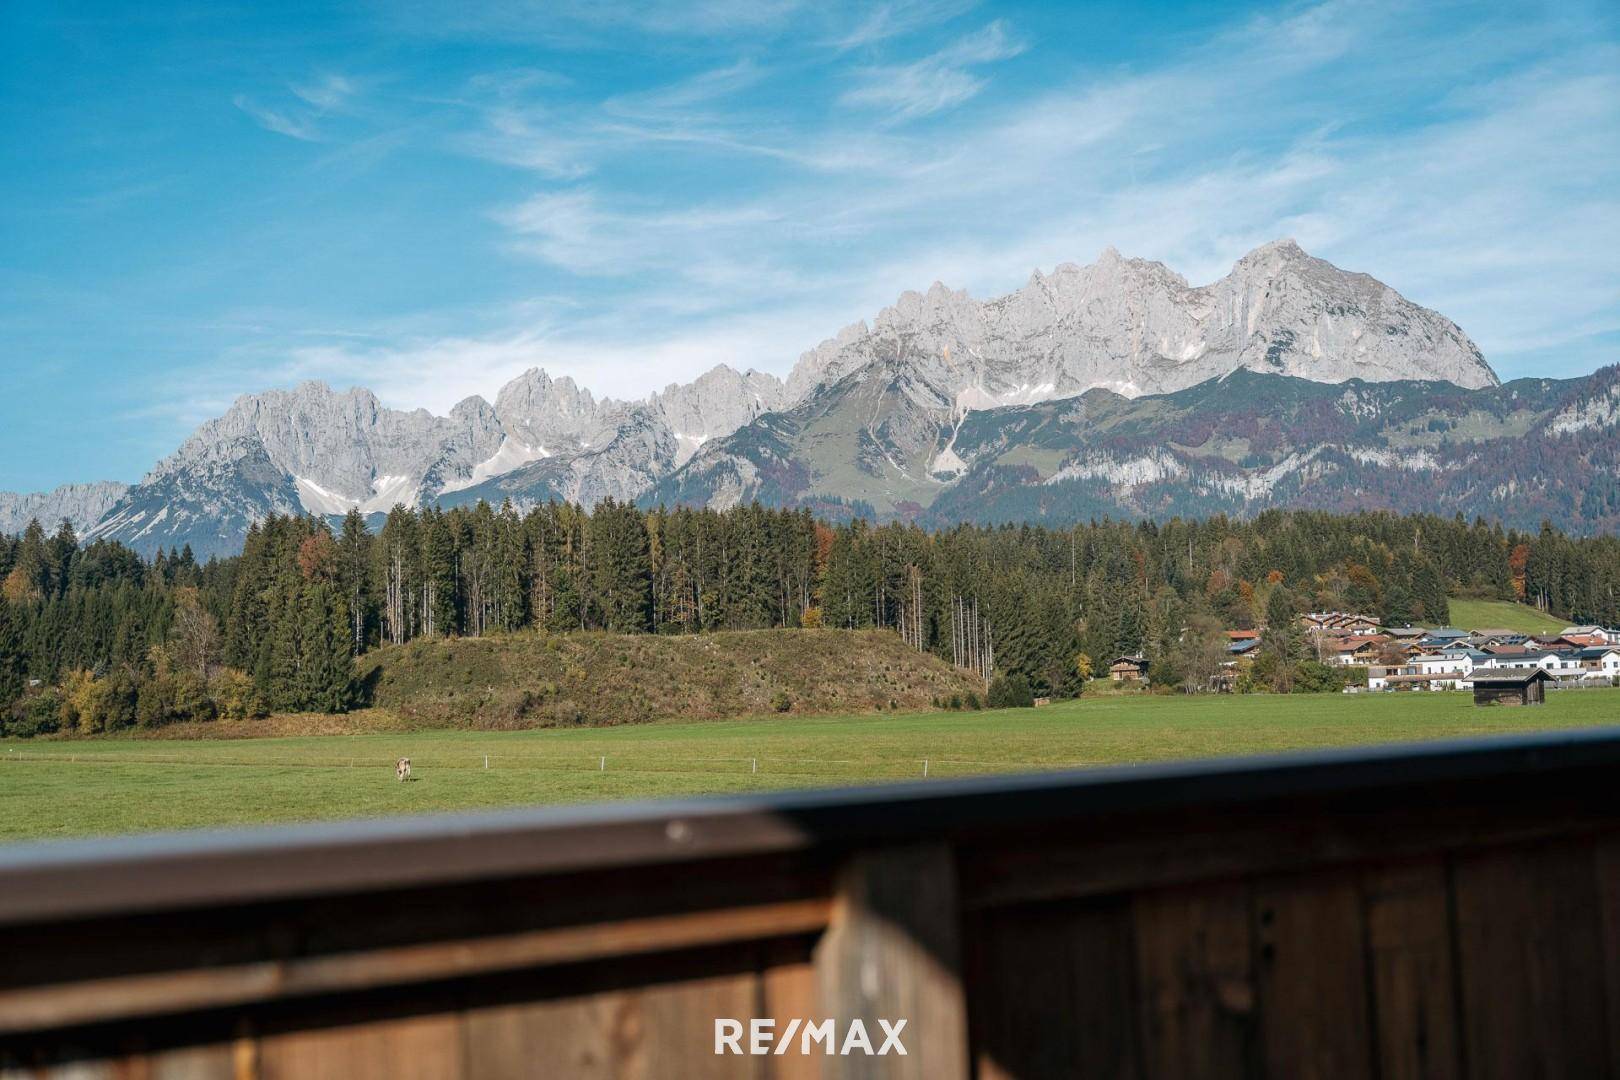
(893, 952)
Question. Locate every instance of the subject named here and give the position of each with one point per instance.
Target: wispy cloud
(327, 93)
(937, 82)
(300, 116)
(580, 23)
(282, 123)
(685, 94)
(890, 20)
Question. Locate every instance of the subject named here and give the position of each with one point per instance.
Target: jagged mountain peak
(1135, 326)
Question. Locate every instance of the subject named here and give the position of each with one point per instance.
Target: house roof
(1405, 631)
(1244, 645)
(1596, 651)
(1446, 632)
(1510, 676)
(1585, 640)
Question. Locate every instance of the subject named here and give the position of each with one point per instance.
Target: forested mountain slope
(1521, 453)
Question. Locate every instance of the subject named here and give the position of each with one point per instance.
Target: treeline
(113, 640)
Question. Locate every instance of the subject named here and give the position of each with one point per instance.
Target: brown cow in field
(402, 769)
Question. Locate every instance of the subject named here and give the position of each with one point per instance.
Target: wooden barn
(1510, 686)
(1128, 669)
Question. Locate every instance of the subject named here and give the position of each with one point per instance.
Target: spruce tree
(11, 656)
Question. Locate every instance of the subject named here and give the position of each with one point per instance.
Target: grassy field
(1502, 615)
(77, 787)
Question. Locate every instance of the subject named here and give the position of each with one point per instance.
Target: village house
(1128, 670)
(1599, 635)
(1338, 622)
(1378, 676)
(1357, 649)
(1562, 664)
(1583, 641)
(1600, 664)
(1449, 670)
(1441, 637)
(1407, 679)
(1245, 647)
(1488, 637)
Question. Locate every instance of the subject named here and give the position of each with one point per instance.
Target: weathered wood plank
(1529, 934)
(214, 1062)
(789, 991)
(893, 952)
(1196, 983)
(1313, 986)
(1608, 873)
(1053, 990)
(1177, 849)
(174, 991)
(412, 1048)
(642, 1033)
(1414, 991)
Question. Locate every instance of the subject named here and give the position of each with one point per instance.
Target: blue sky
(426, 197)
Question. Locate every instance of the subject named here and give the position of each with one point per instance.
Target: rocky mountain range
(1115, 387)
(81, 504)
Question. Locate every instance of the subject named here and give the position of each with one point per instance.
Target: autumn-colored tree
(194, 633)
(318, 557)
(18, 588)
(1518, 559)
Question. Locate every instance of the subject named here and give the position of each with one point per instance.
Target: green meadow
(75, 787)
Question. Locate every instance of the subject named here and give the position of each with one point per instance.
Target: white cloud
(890, 20)
(279, 122)
(327, 93)
(685, 94)
(937, 82)
(300, 118)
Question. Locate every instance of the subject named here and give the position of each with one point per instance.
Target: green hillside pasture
(1502, 615)
(77, 787)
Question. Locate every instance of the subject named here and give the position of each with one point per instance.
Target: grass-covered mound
(1502, 615)
(534, 680)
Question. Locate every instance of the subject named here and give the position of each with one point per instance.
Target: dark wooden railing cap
(131, 874)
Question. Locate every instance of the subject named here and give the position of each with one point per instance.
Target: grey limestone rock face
(81, 504)
(1136, 327)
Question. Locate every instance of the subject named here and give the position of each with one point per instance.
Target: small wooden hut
(1510, 686)
(1128, 669)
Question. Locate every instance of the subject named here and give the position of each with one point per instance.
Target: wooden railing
(1425, 911)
